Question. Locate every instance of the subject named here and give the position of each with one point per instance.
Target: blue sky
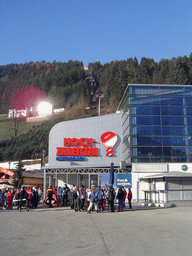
(94, 30)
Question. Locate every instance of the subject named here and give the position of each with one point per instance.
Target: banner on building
(6, 172)
(124, 179)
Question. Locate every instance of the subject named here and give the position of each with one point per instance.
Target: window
(173, 130)
(189, 110)
(174, 141)
(148, 151)
(146, 141)
(188, 101)
(160, 123)
(145, 120)
(145, 110)
(172, 120)
(171, 110)
(189, 120)
(146, 130)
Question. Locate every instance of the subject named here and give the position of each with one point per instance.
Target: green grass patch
(7, 128)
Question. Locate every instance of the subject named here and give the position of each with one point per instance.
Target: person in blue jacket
(100, 198)
(93, 201)
(1, 198)
(60, 193)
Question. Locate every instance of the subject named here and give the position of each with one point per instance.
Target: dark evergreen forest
(68, 85)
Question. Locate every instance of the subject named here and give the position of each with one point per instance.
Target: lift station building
(148, 140)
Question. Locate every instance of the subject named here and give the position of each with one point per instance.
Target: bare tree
(16, 123)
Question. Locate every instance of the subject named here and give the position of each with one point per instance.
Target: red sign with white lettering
(78, 147)
(109, 140)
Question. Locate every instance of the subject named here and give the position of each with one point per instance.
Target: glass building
(159, 123)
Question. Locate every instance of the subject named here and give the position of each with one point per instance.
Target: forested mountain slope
(68, 85)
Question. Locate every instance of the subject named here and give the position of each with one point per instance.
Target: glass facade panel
(73, 179)
(173, 130)
(189, 120)
(94, 180)
(190, 140)
(145, 120)
(171, 110)
(175, 100)
(189, 111)
(146, 130)
(142, 101)
(142, 141)
(172, 120)
(174, 141)
(62, 177)
(160, 123)
(84, 180)
(188, 101)
(189, 130)
(145, 110)
(148, 151)
(174, 151)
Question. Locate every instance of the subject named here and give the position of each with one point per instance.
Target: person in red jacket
(125, 195)
(10, 200)
(29, 192)
(130, 198)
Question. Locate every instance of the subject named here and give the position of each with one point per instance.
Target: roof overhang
(168, 175)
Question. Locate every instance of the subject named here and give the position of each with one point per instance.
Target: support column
(154, 193)
(186, 128)
(56, 180)
(98, 180)
(77, 179)
(89, 180)
(165, 199)
(44, 185)
(138, 182)
(150, 198)
(50, 180)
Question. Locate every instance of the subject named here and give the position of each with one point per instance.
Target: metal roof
(125, 97)
(173, 174)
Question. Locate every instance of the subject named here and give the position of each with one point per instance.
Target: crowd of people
(79, 198)
(82, 199)
(24, 197)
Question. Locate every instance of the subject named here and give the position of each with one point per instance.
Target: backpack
(50, 193)
(100, 195)
(75, 195)
(111, 194)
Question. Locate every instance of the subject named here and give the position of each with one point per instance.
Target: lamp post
(99, 107)
(98, 96)
(150, 155)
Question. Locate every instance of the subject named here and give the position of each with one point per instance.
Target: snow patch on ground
(28, 167)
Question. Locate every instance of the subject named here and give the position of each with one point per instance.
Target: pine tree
(18, 175)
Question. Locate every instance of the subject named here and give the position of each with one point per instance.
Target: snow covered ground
(28, 167)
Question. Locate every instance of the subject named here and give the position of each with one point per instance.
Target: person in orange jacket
(29, 192)
(50, 194)
(10, 200)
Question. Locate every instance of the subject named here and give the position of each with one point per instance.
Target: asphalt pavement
(61, 231)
